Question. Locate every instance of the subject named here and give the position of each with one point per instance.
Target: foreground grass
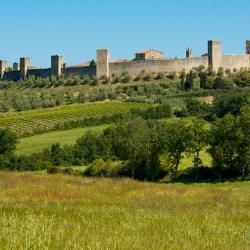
(38, 211)
(37, 143)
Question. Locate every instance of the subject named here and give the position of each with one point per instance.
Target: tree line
(135, 145)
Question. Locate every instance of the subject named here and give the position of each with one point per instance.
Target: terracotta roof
(148, 50)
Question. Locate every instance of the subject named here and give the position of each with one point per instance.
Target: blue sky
(75, 28)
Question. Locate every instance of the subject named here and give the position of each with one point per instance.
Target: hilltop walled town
(147, 60)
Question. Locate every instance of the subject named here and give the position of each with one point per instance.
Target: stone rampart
(175, 65)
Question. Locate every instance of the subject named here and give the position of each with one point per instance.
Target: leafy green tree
(229, 146)
(223, 83)
(8, 141)
(86, 79)
(176, 141)
(81, 97)
(131, 142)
(59, 98)
(190, 79)
(203, 79)
(243, 159)
(230, 104)
(183, 79)
(198, 140)
(56, 154)
(86, 147)
(4, 105)
(209, 82)
(221, 72)
(211, 71)
(92, 63)
(35, 101)
(91, 147)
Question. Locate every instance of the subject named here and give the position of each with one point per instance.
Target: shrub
(138, 78)
(53, 170)
(230, 104)
(105, 169)
(69, 171)
(202, 173)
(160, 76)
(148, 77)
(125, 78)
(8, 141)
(86, 79)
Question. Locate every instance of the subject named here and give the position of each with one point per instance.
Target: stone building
(149, 54)
(3, 67)
(16, 66)
(189, 53)
(151, 61)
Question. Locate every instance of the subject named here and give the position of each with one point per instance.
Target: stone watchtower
(102, 62)
(189, 53)
(214, 54)
(248, 47)
(3, 67)
(24, 66)
(16, 66)
(57, 63)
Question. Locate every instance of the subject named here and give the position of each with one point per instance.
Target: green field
(37, 143)
(43, 119)
(38, 211)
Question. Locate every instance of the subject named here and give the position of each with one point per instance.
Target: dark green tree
(230, 145)
(8, 141)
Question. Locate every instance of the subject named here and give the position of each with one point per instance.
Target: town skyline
(77, 29)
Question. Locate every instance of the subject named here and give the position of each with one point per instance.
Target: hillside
(44, 119)
(37, 143)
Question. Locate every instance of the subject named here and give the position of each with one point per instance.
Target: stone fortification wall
(79, 71)
(12, 75)
(104, 67)
(175, 65)
(39, 73)
(235, 61)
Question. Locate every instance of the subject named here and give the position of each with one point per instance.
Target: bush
(148, 77)
(197, 174)
(86, 79)
(8, 141)
(105, 169)
(54, 170)
(138, 78)
(230, 104)
(69, 171)
(160, 76)
(157, 112)
(229, 145)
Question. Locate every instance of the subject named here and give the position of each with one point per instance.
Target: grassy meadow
(38, 211)
(36, 143)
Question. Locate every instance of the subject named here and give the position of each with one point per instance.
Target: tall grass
(64, 212)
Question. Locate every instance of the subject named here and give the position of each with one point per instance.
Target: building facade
(150, 54)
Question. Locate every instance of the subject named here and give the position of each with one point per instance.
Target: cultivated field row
(29, 121)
